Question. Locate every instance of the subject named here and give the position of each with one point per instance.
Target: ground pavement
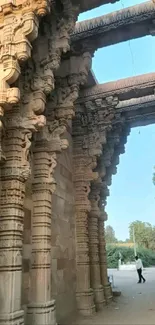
(135, 306)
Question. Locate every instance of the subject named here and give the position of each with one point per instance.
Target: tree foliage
(127, 253)
(144, 234)
(110, 235)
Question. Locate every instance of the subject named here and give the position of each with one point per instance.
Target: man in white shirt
(139, 267)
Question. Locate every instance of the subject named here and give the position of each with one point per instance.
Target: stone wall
(63, 239)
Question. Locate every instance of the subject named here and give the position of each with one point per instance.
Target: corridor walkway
(136, 304)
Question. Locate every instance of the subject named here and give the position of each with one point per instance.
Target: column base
(99, 298)
(85, 303)
(41, 313)
(16, 318)
(108, 293)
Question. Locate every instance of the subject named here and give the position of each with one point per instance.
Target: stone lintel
(124, 89)
(114, 27)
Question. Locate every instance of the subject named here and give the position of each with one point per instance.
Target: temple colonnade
(46, 83)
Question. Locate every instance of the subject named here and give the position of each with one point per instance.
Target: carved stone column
(103, 258)
(59, 110)
(13, 177)
(104, 164)
(93, 119)
(19, 125)
(48, 144)
(42, 308)
(82, 176)
(110, 158)
(83, 166)
(19, 27)
(95, 274)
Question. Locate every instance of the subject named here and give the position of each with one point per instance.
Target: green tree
(127, 240)
(144, 234)
(127, 253)
(152, 239)
(110, 235)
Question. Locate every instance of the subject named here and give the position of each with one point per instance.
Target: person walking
(139, 267)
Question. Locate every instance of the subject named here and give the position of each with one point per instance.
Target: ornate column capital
(95, 117)
(19, 29)
(68, 79)
(19, 125)
(40, 8)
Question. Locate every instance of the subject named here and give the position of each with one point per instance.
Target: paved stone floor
(136, 304)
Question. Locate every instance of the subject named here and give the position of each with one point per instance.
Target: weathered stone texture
(63, 263)
(28, 205)
(39, 264)
(63, 237)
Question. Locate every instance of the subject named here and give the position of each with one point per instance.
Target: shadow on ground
(135, 306)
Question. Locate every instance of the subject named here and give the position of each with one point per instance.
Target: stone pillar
(88, 139)
(82, 176)
(47, 145)
(13, 177)
(103, 258)
(59, 110)
(19, 27)
(42, 308)
(14, 174)
(93, 120)
(95, 272)
(106, 160)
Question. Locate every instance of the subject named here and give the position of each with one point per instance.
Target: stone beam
(124, 89)
(129, 23)
(138, 111)
(88, 5)
(136, 103)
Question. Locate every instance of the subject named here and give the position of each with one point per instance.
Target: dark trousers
(139, 271)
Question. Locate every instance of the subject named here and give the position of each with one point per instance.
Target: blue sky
(132, 194)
